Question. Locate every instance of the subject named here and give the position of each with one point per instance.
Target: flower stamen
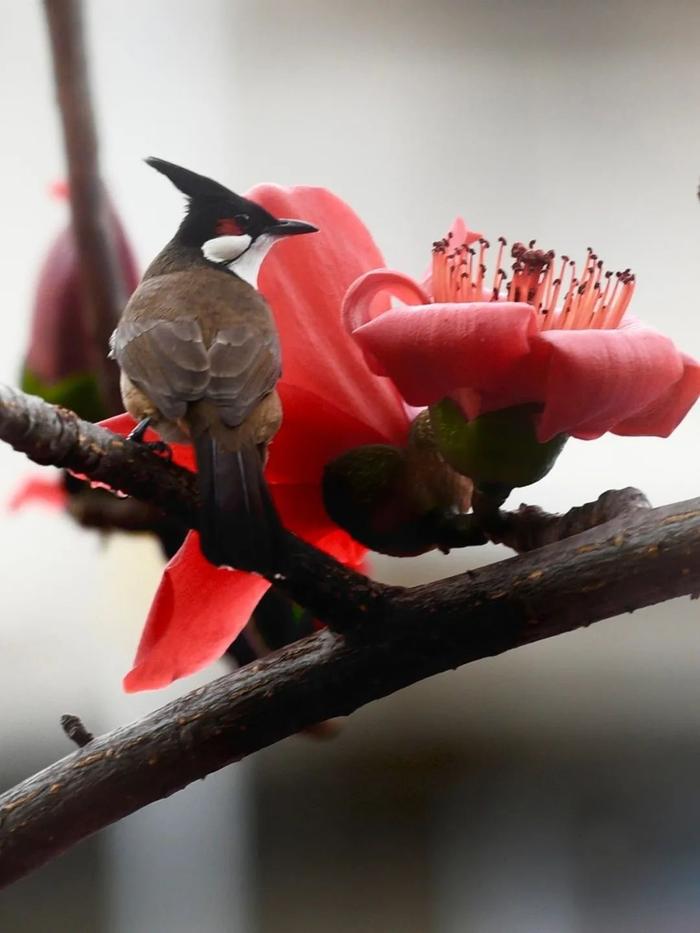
(590, 301)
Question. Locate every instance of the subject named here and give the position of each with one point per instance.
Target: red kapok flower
(555, 334)
(331, 403)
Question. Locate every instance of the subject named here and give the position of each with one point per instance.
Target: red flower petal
(199, 609)
(345, 549)
(598, 378)
(370, 295)
(432, 349)
(197, 612)
(666, 413)
(301, 508)
(314, 431)
(459, 234)
(304, 280)
(119, 424)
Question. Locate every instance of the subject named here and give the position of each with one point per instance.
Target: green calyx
(399, 501)
(499, 447)
(362, 494)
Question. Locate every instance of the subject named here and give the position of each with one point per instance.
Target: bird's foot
(157, 447)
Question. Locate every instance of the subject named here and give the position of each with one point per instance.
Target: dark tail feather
(238, 524)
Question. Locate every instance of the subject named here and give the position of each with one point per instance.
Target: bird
(200, 359)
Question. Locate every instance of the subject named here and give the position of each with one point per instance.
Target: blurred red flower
(554, 335)
(331, 402)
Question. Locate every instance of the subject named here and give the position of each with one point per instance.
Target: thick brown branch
(421, 631)
(102, 280)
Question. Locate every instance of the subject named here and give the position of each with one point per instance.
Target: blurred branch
(102, 279)
(384, 637)
(100, 510)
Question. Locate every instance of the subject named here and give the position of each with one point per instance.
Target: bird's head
(231, 231)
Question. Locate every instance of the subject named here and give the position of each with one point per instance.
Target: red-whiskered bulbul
(200, 358)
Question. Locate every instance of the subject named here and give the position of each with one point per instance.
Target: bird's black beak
(290, 228)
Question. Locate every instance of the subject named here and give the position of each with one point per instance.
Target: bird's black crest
(190, 183)
(213, 210)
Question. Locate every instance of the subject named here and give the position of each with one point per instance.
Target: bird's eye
(232, 226)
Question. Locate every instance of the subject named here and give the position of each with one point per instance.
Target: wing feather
(171, 363)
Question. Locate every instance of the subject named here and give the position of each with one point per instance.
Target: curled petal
(197, 612)
(599, 378)
(371, 294)
(665, 414)
(428, 351)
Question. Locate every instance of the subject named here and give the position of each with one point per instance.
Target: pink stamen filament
(592, 300)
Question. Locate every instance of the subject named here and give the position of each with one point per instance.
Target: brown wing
(169, 359)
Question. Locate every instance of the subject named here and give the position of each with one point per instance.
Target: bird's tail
(238, 524)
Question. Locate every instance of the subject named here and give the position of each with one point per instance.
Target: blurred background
(553, 790)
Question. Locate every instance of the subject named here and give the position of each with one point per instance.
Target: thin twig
(75, 730)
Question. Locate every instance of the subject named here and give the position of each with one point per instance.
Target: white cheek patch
(248, 264)
(225, 248)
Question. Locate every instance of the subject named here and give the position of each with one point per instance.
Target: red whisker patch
(228, 226)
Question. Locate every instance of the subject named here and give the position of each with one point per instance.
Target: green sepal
(498, 447)
(361, 494)
(400, 501)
